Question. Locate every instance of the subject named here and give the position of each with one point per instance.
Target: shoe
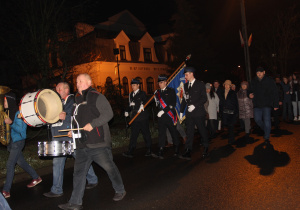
(5, 194)
(34, 182)
(70, 206)
(169, 145)
(298, 118)
(91, 186)
(127, 154)
(205, 152)
(186, 155)
(52, 195)
(295, 119)
(176, 153)
(148, 153)
(159, 154)
(119, 196)
(267, 141)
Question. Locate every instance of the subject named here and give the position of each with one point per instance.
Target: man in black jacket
(194, 99)
(165, 99)
(63, 90)
(92, 113)
(137, 99)
(264, 93)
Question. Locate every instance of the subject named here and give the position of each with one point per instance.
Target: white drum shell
(55, 148)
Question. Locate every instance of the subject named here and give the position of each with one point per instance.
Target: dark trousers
(212, 127)
(190, 128)
(136, 127)
(164, 123)
(287, 110)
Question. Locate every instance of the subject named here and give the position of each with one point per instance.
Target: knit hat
(227, 82)
(208, 86)
(12, 104)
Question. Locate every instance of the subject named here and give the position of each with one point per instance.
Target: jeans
(58, 174)
(262, 117)
(104, 158)
(3, 203)
(16, 157)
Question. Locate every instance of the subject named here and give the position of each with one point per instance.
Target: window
(122, 52)
(150, 85)
(109, 81)
(125, 85)
(141, 81)
(147, 54)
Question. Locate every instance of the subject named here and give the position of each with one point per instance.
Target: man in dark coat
(137, 99)
(277, 113)
(194, 99)
(265, 97)
(165, 99)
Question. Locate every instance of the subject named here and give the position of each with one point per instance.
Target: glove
(126, 114)
(160, 113)
(132, 104)
(191, 108)
(141, 108)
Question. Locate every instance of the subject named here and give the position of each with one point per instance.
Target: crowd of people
(207, 107)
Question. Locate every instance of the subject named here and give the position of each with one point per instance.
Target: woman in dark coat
(245, 107)
(229, 108)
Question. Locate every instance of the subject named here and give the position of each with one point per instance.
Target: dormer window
(147, 55)
(122, 52)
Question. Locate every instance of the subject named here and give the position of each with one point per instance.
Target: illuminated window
(141, 82)
(125, 85)
(122, 52)
(109, 81)
(147, 54)
(150, 85)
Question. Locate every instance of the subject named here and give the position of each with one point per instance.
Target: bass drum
(41, 107)
(55, 148)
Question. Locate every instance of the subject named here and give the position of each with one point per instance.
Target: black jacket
(196, 96)
(265, 93)
(230, 103)
(95, 109)
(139, 98)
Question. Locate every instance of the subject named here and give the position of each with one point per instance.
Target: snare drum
(55, 148)
(40, 107)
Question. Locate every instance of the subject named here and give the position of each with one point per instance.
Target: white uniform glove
(132, 104)
(141, 108)
(160, 113)
(180, 116)
(191, 108)
(126, 114)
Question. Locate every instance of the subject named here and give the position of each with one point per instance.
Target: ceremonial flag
(177, 83)
(242, 39)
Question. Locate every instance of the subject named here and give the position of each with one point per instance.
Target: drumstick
(59, 136)
(73, 129)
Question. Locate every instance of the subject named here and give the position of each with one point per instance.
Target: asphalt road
(247, 175)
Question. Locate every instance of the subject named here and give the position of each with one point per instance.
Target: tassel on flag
(250, 40)
(242, 39)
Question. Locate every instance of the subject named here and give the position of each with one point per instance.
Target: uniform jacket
(265, 92)
(169, 97)
(65, 124)
(139, 98)
(93, 107)
(245, 105)
(18, 129)
(195, 96)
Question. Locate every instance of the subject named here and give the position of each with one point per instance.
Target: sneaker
(52, 195)
(91, 186)
(34, 182)
(5, 194)
(169, 145)
(295, 118)
(119, 196)
(70, 206)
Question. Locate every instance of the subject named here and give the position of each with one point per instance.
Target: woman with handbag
(229, 109)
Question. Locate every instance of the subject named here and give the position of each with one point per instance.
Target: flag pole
(168, 81)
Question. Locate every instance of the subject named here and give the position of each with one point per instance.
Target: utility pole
(246, 47)
(117, 52)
